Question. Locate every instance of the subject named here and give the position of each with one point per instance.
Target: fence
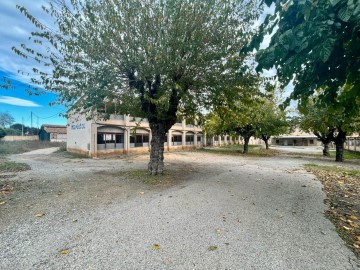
(353, 143)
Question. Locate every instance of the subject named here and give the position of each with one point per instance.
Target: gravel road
(217, 212)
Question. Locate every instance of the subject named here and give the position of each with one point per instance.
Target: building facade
(53, 133)
(296, 138)
(124, 134)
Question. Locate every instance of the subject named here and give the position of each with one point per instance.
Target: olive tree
(161, 56)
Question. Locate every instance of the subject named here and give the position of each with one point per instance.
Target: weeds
(11, 166)
(18, 147)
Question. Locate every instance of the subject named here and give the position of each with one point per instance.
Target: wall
(79, 134)
(9, 138)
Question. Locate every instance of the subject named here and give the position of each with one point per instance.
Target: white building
(123, 134)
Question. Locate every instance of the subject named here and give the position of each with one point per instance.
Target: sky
(16, 101)
(34, 110)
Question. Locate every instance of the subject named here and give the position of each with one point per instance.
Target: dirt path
(215, 212)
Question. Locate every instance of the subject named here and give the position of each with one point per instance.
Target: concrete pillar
(93, 141)
(127, 140)
(204, 140)
(348, 143)
(183, 139)
(150, 138)
(355, 141)
(195, 139)
(219, 137)
(169, 135)
(225, 140)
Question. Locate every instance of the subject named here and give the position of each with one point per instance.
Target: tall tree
(317, 45)
(6, 119)
(169, 55)
(272, 121)
(241, 117)
(328, 123)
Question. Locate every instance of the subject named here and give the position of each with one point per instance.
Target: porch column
(169, 135)
(127, 140)
(183, 139)
(195, 139)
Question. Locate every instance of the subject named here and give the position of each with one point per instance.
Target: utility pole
(31, 124)
(22, 126)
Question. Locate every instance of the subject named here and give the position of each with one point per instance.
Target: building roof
(54, 128)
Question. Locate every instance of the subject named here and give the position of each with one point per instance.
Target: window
(277, 141)
(189, 139)
(177, 139)
(294, 142)
(110, 138)
(139, 139)
(311, 141)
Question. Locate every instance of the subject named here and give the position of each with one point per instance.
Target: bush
(2, 132)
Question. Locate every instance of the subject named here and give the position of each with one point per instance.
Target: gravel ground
(217, 212)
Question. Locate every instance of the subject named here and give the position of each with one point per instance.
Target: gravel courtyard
(210, 211)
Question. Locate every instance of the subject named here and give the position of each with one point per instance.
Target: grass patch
(254, 150)
(335, 169)
(348, 154)
(144, 176)
(11, 166)
(18, 147)
(70, 155)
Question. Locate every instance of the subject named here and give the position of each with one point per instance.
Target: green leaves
(326, 49)
(345, 14)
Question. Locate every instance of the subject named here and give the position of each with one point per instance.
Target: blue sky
(16, 101)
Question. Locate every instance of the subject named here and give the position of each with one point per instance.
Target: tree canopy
(6, 119)
(318, 45)
(253, 114)
(152, 57)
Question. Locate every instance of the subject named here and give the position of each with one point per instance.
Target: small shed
(53, 133)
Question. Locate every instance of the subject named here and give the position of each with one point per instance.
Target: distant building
(53, 133)
(296, 138)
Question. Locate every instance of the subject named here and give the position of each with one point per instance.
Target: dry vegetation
(342, 188)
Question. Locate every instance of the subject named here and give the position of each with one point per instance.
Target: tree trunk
(267, 143)
(246, 144)
(326, 151)
(156, 164)
(339, 152)
(265, 138)
(339, 142)
(160, 121)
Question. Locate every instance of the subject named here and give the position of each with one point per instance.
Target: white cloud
(18, 102)
(15, 31)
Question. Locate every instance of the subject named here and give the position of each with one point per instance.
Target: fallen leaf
(346, 228)
(156, 246)
(212, 248)
(64, 251)
(1, 203)
(40, 215)
(356, 246)
(354, 225)
(218, 230)
(141, 192)
(353, 218)
(358, 238)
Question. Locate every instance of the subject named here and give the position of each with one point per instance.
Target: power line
(57, 114)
